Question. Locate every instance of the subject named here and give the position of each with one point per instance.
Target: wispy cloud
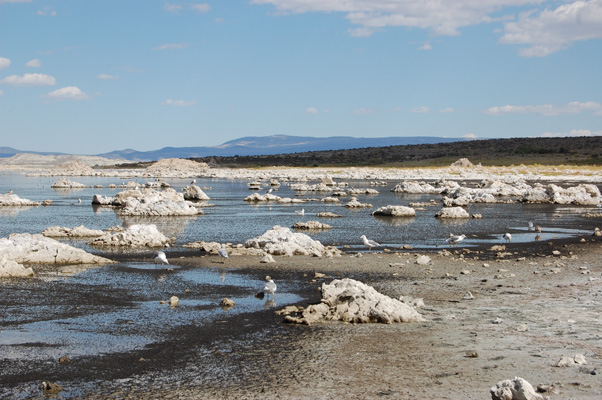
(173, 8)
(364, 111)
(426, 46)
(47, 11)
(441, 18)
(179, 103)
(1, 92)
(107, 77)
(171, 46)
(67, 93)
(35, 63)
(4, 63)
(29, 80)
(311, 110)
(573, 107)
(447, 110)
(549, 31)
(200, 8)
(470, 136)
(420, 110)
(15, 1)
(573, 132)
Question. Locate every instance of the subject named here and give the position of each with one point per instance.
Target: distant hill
(586, 150)
(6, 152)
(268, 145)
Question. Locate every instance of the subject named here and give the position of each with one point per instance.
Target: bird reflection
(269, 304)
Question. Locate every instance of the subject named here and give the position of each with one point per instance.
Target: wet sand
(530, 308)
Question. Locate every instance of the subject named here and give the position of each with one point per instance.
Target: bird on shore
(193, 182)
(530, 226)
(223, 252)
(270, 190)
(268, 288)
(369, 243)
(300, 212)
(161, 258)
(507, 237)
(455, 239)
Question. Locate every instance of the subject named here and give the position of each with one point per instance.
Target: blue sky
(91, 76)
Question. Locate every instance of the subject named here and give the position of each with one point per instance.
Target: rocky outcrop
(349, 300)
(77, 232)
(355, 203)
(193, 192)
(12, 269)
(442, 186)
(328, 214)
(395, 211)
(452, 212)
(282, 241)
(134, 236)
(514, 389)
(176, 167)
(463, 163)
(311, 225)
(149, 202)
(355, 192)
(28, 248)
(584, 194)
(67, 184)
(13, 200)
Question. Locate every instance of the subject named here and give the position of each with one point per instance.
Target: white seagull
(223, 252)
(193, 182)
(300, 212)
(507, 237)
(454, 239)
(369, 243)
(530, 226)
(160, 258)
(270, 190)
(270, 286)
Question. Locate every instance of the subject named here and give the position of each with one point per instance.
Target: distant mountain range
(257, 145)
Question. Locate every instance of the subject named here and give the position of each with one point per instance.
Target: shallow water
(233, 220)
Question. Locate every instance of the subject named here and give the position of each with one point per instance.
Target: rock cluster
(37, 249)
(514, 389)
(176, 167)
(395, 211)
(452, 212)
(67, 184)
(13, 200)
(311, 225)
(349, 300)
(77, 232)
(282, 241)
(149, 202)
(355, 203)
(134, 236)
(12, 269)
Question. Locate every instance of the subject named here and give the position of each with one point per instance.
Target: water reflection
(169, 226)
(395, 221)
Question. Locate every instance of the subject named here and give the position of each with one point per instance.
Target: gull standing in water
(160, 258)
(300, 212)
(269, 288)
(507, 237)
(455, 239)
(530, 226)
(369, 243)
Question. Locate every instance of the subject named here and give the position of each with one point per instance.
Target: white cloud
(420, 110)
(573, 132)
(573, 107)
(553, 30)
(426, 46)
(107, 77)
(442, 18)
(47, 11)
(30, 80)
(447, 110)
(201, 8)
(67, 93)
(179, 103)
(174, 8)
(312, 110)
(470, 136)
(171, 46)
(364, 111)
(35, 63)
(1, 92)
(4, 63)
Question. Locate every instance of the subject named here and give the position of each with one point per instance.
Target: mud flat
(526, 312)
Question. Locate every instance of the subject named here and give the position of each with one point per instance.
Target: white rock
(12, 269)
(134, 236)
(514, 389)
(13, 200)
(174, 301)
(67, 184)
(423, 260)
(267, 259)
(193, 192)
(27, 248)
(395, 211)
(77, 232)
(349, 300)
(311, 225)
(355, 203)
(282, 241)
(452, 212)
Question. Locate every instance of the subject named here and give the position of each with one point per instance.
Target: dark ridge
(586, 150)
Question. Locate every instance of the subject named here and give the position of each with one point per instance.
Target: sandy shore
(527, 313)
